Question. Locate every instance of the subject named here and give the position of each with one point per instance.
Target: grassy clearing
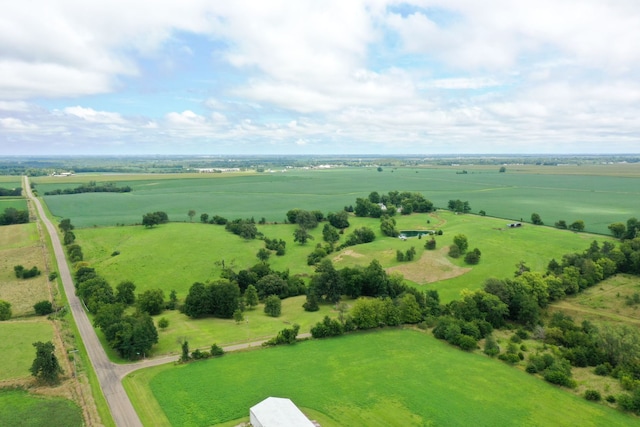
(599, 196)
(19, 408)
(20, 245)
(16, 339)
(607, 301)
(391, 377)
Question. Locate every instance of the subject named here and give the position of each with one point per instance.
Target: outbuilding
(277, 412)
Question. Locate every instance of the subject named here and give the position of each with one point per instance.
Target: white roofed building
(277, 412)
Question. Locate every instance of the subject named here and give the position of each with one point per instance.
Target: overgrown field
(384, 378)
(614, 300)
(598, 196)
(19, 408)
(20, 245)
(16, 339)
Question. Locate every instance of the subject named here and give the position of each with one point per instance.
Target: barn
(277, 412)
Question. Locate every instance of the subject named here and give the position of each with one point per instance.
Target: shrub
(454, 251)
(216, 350)
(603, 369)
(115, 253)
(610, 398)
(5, 310)
(43, 308)
(491, 347)
(430, 244)
(509, 358)
(53, 276)
(593, 395)
(515, 338)
(163, 323)
(467, 343)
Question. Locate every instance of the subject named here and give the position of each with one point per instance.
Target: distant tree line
(376, 204)
(12, 216)
(11, 192)
(91, 187)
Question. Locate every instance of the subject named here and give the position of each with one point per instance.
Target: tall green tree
(330, 234)
(301, 235)
(125, 292)
(151, 301)
(460, 240)
(251, 297)
(273, 306)
(45, 366)
(191, 214)
(618, 229)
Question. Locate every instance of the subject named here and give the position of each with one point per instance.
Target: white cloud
(91, 115)
(12, 123)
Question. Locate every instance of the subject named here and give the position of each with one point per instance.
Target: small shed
(277, 412)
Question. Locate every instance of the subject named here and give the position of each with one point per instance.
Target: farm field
(19, 408)
(20, 245)
(16, 339)
(598, 196)
(384, 378)
(12, 202)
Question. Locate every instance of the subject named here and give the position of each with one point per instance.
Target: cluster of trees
(91, 187)
(626, 232)
(154, 218)
(66, 228)
(377, 205)
(12, 216)
(216, 219)
(131, 335)
(459, 248)
(577, 225)
(197, 354)
(23, 273)
(409, 255)
(245, 228)
(459, 206)
(10, 192)
(237, 291)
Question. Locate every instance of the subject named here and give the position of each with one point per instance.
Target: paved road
(108, 375)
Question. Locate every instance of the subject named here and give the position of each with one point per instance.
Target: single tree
(42, 308)
(251, 297)
(238, 316)
(125, 292)
(163, 323)
(330, 234)
(65, 225)
(45, 366)
(151, 301)
(577, 225)
(173, 300)
(618, 229)
(184, 357)
(301, 236)
(535, 219)
(204, 218)
(191, 214)
(430, 244)
(460, 240)
(263, 254)
(273, 306)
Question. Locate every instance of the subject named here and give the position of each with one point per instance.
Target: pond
(415, 233)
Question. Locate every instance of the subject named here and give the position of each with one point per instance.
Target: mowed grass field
(20, 245)
(383, 378)
(597, 195)
(20, 408)
(12, 202)
(16, 339)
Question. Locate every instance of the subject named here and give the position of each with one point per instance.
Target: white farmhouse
(277, 412)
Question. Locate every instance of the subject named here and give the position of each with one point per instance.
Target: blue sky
(309, 77)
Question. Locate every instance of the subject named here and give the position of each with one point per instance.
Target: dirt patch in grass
(347, 253)
(432, 266)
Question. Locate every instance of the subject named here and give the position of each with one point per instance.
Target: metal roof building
(277, 412)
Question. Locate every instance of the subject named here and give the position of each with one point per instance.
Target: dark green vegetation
(556, 193)
(45, 367)
(13, 216)
(19, 408)
(393, 377)
(91, 187)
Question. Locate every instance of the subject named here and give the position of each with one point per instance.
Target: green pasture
(175, 255)
(20, 408)
(16, 339)
(383, 378)
(597, 200)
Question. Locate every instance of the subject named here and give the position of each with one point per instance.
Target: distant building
(278, 412)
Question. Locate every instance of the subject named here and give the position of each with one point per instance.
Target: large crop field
(596, 195)
(385, 378)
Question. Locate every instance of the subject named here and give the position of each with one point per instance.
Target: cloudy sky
(319, 77)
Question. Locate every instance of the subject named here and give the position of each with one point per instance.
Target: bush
(610, 398)
(5, 310)
(53, 276)
(593, 395)
(467, 343)
(163, 323)
(216, 350)
(454, 251)
(43, 308)
(509, 358)
(603, 369)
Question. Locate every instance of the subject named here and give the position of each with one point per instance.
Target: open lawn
(597, 195)
(384, 378)
(20, 408)
(16, 339)
(20, 245)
